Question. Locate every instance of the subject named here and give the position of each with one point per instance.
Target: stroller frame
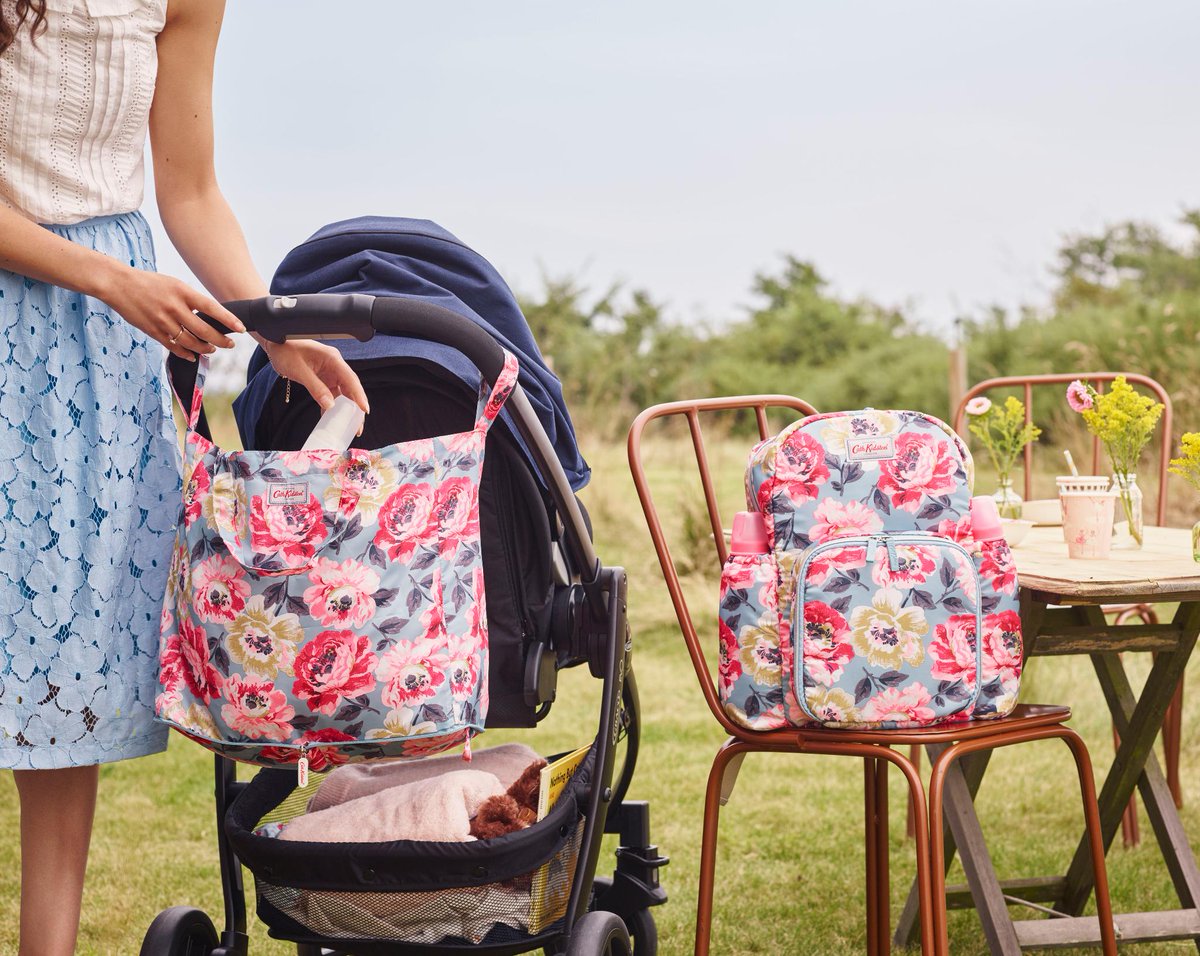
(591, 604)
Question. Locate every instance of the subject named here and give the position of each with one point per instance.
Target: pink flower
(411, 672)
(959, 530)
(462, 666)
(979, 405)
(404, 521)
(914, 564)
(900, 705)
(256, 709)
(219, 589)
(1079, 396)
(952, 650)
(998, 565)
(740, 573)
(1002, 646)
(455, 513)
(923, 467)
(332, 666)
(341, 594)
(729, 667)
(826, 649)
(319, 758)
(800, 466)
(833, 560)
(294, 529)
(477, 614)
(832, 519)
(186, 653)
(197, 488)
(298, 462)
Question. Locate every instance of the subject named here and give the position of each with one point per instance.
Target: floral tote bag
(325, 606)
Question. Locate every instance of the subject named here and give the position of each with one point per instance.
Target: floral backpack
(325, 606)
(873, 606)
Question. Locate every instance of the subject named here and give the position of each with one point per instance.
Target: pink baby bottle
(749, 534)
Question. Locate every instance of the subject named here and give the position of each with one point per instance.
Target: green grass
(790, 869)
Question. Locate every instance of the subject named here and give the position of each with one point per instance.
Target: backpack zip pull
(302, 767)
(893, 557)
(872, 547)
(467, 748)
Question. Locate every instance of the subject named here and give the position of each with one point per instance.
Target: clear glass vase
(1128, 531)
(1008, 502)
(1196, 542)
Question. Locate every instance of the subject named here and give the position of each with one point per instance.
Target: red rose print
(404, 521)
(332, 666)
(826, 648)
(923, 468)
(1002, 646)
(296, 530)
(952, 650)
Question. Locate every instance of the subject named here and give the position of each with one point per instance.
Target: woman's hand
(165, 309)
(320, 369)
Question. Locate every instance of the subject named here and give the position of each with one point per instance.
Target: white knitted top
(74, 109)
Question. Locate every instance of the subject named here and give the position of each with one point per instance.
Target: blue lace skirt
(89, 479)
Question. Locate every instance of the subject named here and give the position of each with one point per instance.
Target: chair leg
(1091, 816)
(883, 883)
(910, 824)
(708, 842)
(926, 916)
(872, 846)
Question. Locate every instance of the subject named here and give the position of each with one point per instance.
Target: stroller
(551, 604)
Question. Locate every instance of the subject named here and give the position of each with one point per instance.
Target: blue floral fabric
(89, 485)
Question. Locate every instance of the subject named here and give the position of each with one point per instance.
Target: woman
(88, 465)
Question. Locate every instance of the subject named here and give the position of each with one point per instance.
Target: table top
(1163, 568)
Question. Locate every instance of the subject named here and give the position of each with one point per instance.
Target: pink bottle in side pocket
(749, 534)
(985, 519)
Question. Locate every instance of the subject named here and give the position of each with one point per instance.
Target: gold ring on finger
(175, 338)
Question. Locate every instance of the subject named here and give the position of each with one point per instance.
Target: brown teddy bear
(512, 810)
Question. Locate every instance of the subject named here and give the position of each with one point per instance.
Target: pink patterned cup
(1087, 523)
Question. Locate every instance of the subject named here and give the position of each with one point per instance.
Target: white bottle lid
(337, 427)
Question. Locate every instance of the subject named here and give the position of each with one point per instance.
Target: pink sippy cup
(749, 534)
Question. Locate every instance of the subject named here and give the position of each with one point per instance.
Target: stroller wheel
(640, 923)
(180, 931)
(642, 928)
(600, 933)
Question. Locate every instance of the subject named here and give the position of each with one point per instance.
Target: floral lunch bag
(326, 606)
(871, 606)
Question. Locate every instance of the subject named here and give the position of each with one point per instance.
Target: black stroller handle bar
(324, 315)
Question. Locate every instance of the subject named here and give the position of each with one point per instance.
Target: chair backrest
(1097, 380)
(692, 411)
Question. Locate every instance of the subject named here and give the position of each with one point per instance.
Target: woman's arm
(158, 305)
(198, 220)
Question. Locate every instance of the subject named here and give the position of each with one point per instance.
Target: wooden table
(1061, 601)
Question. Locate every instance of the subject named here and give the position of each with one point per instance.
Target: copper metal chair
(873, 747)
(1172, 731)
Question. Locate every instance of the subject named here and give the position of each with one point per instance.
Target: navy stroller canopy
(416, 258)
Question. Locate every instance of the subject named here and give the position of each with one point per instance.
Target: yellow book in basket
(552, 883)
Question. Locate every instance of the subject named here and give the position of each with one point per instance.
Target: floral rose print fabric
(874, 607)
(331, 603)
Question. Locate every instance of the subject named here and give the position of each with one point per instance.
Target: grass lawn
(790, 871)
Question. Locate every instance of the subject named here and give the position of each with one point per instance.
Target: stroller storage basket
(490, 892)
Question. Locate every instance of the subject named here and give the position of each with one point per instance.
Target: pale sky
(924, 153)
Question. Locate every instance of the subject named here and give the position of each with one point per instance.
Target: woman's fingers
(211, 307)
(319, 391)
(350, 386)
